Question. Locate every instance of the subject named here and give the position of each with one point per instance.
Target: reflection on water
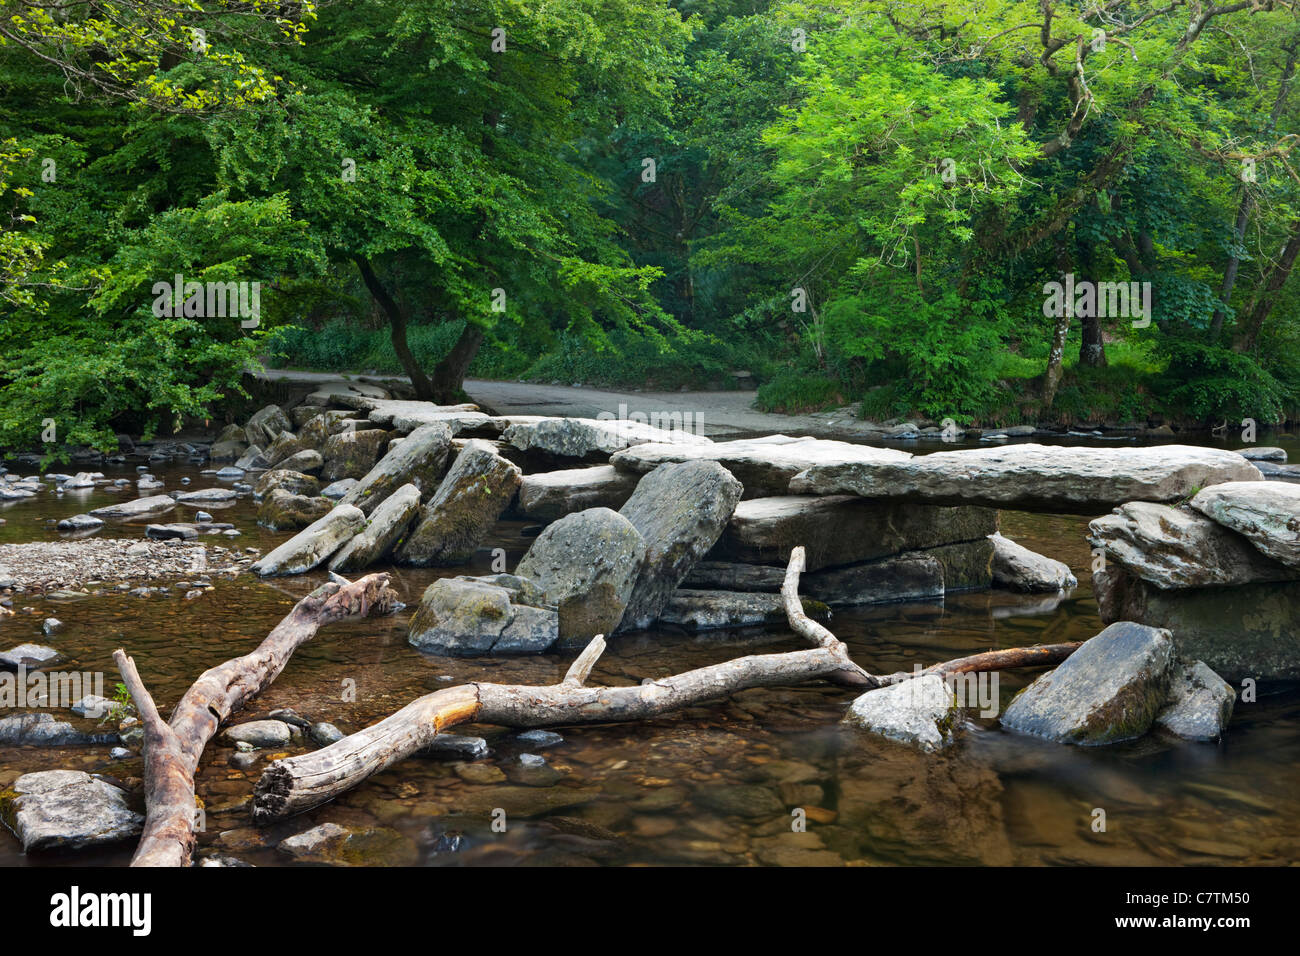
(713, 784)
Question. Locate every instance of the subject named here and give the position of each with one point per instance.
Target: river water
(710, 785)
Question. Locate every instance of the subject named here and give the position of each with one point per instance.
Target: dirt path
(717, 414)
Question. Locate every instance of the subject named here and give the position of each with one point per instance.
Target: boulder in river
(254, 459)
(920, 712)
(734, 576)
(1267, 513)
(266, 424)
(43, 730)
(382, 532)
(1200, 704)
(549, 495)
(136, 509)
(283, 511)
(259, 733)
(1020, 569)
(680, 511)
(418, 459)
(294, 482)
(351, 454)
(1110, 689)
(68, 810)
(765, 466)
(314, 545)
(1181, 548)
(80, 523)
(307, 462)
(586, 564)
(478, 488)
(467, 617)
(1030, 477)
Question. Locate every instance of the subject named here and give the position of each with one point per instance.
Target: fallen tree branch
(296, 784)
(172, 749)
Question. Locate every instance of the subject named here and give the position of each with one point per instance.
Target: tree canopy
(862, 201)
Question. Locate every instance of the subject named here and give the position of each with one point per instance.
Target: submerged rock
(314, 545)
(842, 529)
(1200, 704)
(920, 712)
(42, 730)
(680, 511)
(586, 565)
(68, 810)
(1018, 568)
(1032, 477)
(477, 489)
(913, 576)
(1109, 690)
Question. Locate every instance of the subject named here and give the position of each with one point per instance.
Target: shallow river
(710, 785)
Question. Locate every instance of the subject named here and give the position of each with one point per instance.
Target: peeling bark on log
(296, 784)
(172, 749)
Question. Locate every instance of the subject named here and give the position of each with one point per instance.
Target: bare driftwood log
(299, 783)
(172, 749)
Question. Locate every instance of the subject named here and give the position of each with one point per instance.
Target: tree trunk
(172, 749)
(424, 389)
(1267, 296)
(449, 374)
(1247, 197)
(1092, 347)
(299, 783)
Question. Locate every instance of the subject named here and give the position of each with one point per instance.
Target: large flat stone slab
(1266, 513)
(550, 495)
(583, 437)
(842, 529)
(1181, 548)
(764, 466)
(1030, 477)
(136, 509)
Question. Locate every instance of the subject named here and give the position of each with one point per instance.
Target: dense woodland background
(918, 170)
